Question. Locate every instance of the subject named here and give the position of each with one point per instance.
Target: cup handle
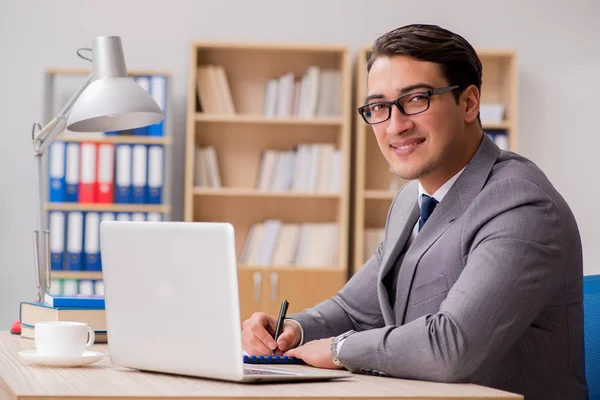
(91, 338)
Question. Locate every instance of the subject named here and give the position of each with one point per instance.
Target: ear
(470, 98)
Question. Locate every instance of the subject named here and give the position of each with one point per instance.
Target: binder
(123, 216)
(138, 216)
(87, 182)
(105, 216)
(92, 242)
(72, 173)
(155, 174)
(106, 167)
(123, 174)
(158, 91)
(154, 217)
(70, 287)
(57, 240)
(86, 287)
(144, 82)
(99, 288)
(139, 173)
(56, 172)
(74, 240)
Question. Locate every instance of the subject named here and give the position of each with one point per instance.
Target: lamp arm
(41, 237)
(44, 138)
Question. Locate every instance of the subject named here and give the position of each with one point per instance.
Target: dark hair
(458, 61)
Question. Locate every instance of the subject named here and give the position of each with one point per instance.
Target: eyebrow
(420, 85)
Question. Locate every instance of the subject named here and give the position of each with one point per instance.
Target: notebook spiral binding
(272, 360)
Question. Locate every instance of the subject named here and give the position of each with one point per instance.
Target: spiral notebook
(272, 360)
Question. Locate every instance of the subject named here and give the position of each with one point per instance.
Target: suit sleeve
(355, 307)
(514, 264)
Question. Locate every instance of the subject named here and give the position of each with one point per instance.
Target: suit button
(369, 371)
(381, 373)
(362, 370)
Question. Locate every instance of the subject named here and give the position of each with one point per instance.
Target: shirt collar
(442, 190)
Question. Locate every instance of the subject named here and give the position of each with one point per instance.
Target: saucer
(86, 358)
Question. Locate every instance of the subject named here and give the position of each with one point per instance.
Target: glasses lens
(376, 112)
(415, 103)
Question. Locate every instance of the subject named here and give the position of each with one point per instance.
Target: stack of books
(78, 308)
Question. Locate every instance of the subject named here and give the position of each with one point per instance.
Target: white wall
(558, 47)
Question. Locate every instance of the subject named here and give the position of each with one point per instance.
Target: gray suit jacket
(489, 292)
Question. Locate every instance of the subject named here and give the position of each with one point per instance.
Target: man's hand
(258, 332)
(316, 353)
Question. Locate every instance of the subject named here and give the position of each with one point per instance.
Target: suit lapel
(407, 221)
(462, 193)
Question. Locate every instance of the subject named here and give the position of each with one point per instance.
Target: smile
(406, 147)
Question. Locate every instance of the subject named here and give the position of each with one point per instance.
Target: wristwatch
(334, 347)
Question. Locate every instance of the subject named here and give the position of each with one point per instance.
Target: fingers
(294, 352)
(290, 337)
(285, 340)
(256, 340)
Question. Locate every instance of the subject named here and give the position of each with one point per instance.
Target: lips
(406, 145)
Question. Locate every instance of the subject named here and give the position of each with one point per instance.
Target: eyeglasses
(408, 104)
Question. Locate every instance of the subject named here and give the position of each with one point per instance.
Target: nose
(398, 123)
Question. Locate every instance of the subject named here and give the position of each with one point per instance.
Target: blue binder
(139, 173)
(158, 91)
(57, 227)
(155, 174)
(122, 187)
(144, 82)
(75, 229)
(72, 173)
(56, 171)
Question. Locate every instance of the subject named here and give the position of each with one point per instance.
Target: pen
(279, 328)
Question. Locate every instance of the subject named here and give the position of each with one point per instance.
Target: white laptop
(172, 303)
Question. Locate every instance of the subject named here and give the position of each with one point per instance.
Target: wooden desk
(20, 380)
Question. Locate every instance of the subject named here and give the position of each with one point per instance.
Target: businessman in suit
(479, 276)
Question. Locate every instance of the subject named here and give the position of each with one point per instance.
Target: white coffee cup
(62, 338)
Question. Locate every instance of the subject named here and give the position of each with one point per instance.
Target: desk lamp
(108, 101)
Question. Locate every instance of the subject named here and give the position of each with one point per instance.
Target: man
(479, 276)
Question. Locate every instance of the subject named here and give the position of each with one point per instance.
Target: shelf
(236, 46)
(259, 119)
(299, 268)
(159, 208)
(251, 192)
(92, 275)
(85, 71)
(380, 194)
(500, 125)
(116, 139)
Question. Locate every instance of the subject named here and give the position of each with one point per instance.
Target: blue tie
(428, 204)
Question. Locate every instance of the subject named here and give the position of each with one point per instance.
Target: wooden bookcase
(66, 80)
(375, 186)
(240, 138)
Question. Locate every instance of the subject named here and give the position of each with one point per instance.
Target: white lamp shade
(112, 101)
(113, 104)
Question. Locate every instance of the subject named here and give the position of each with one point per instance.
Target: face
(431, 146)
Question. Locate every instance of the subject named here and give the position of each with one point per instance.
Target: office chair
(591, 311)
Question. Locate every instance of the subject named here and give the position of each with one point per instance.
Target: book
(74, 301)
(32, 312)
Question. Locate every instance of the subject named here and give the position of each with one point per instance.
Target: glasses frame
(396, 102)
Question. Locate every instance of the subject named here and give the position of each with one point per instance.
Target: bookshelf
(75, 260)
(276, 118)
(375, 186)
